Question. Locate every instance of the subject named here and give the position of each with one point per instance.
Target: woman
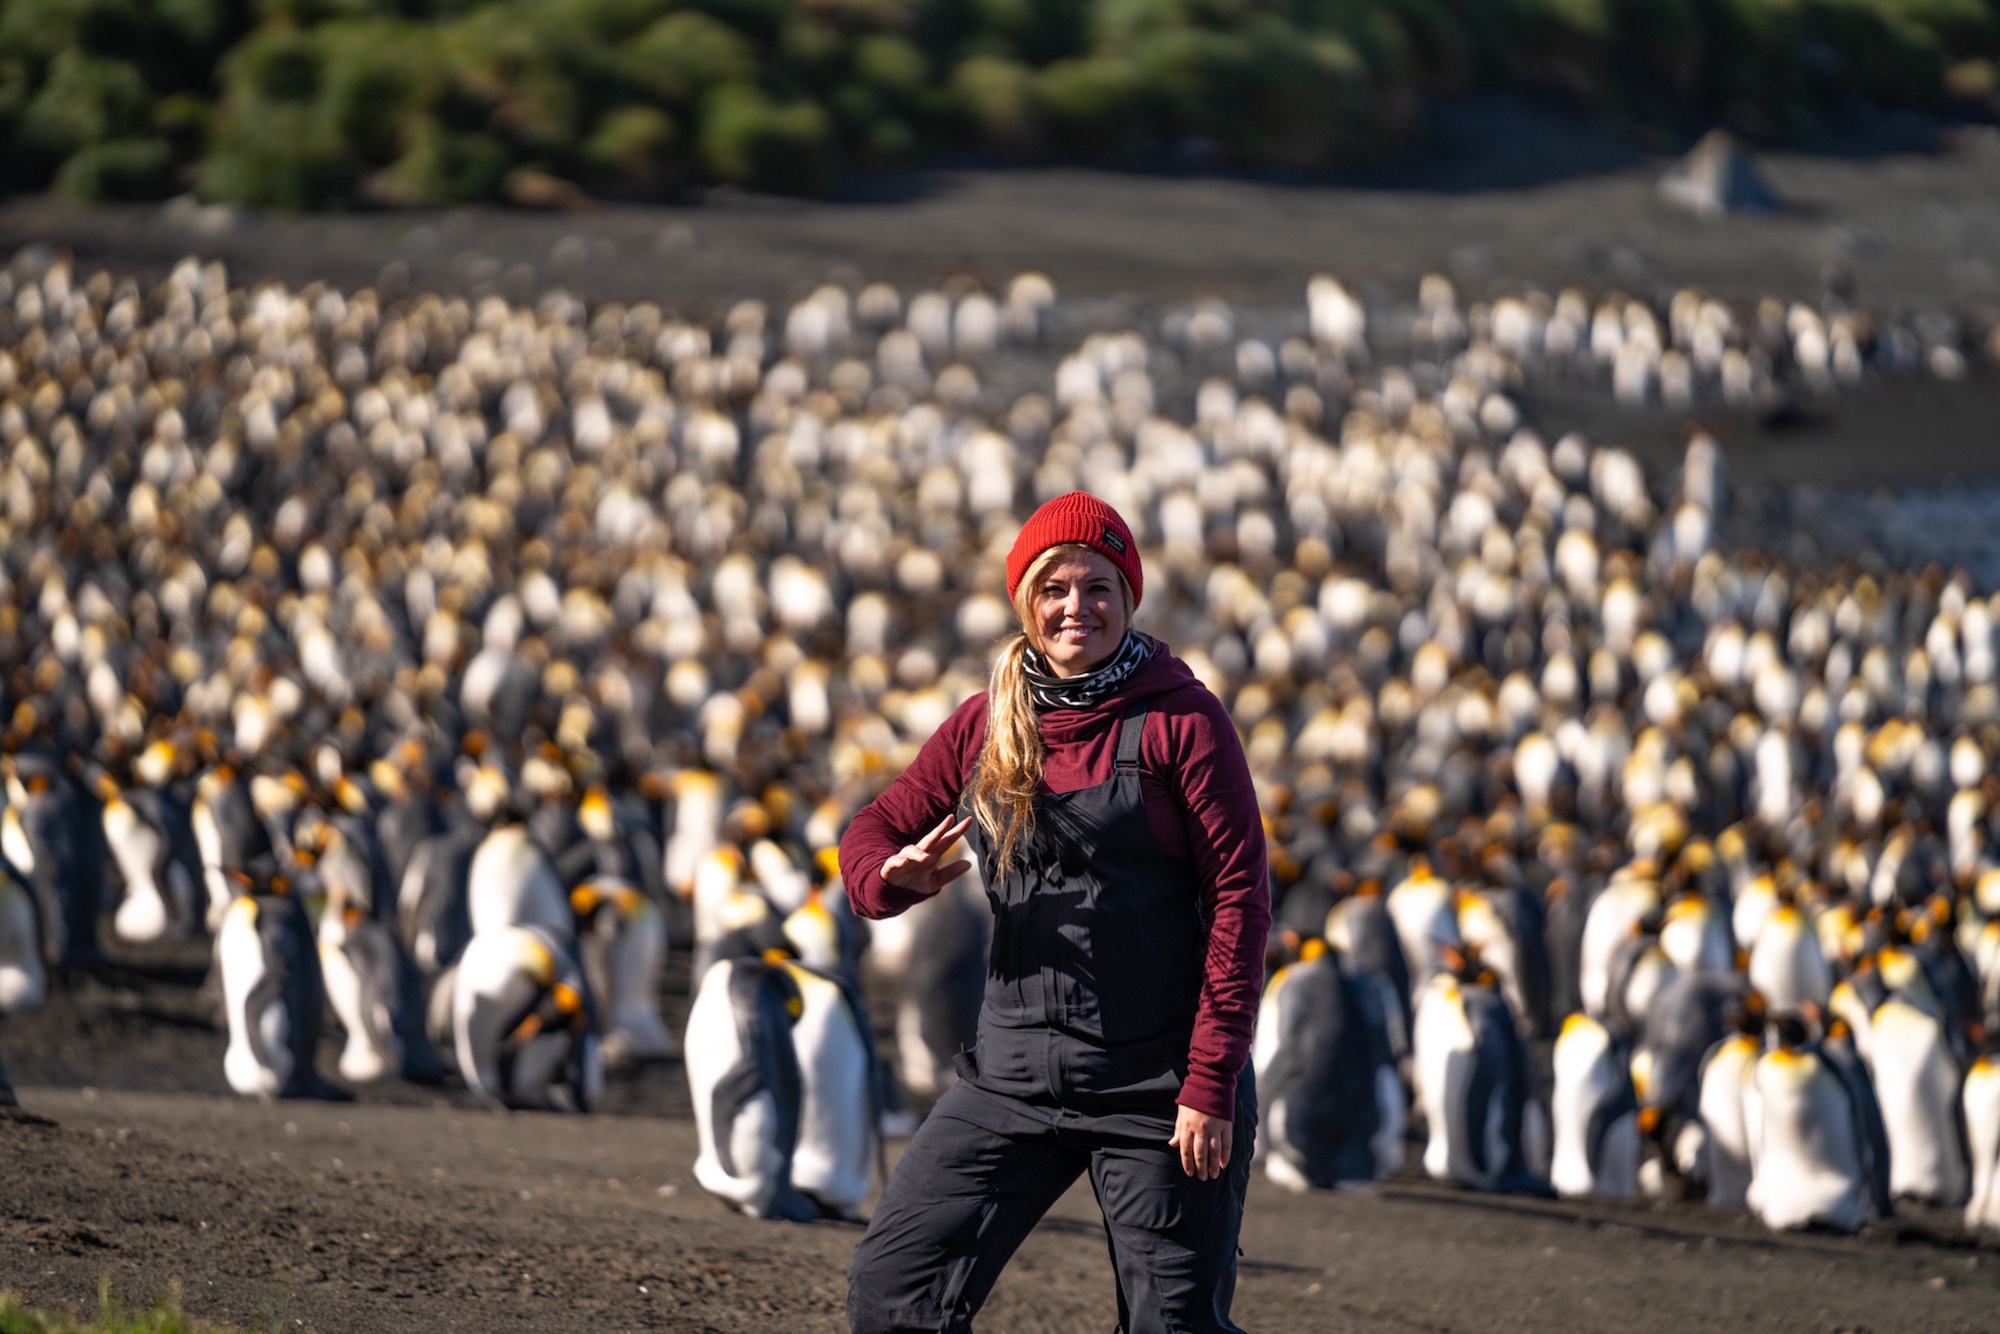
(1106, 793)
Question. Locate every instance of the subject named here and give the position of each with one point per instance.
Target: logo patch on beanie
(1115, 542)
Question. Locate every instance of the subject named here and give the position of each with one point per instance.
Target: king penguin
(512, 883)
(159, 894)
(1981, 1105)
(622, 942)
(1594, 1114)
(1473, 1081)
(743, 1075)
(273, 996)
(24, 974)
(376, 995)
(1809, 1153)
(1918, 1083)
(1333, 1105)
(521, 1022)
(839, 1138)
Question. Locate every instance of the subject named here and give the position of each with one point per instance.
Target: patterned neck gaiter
(1082, 692)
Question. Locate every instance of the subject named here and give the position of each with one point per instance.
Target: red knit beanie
(1076, 517)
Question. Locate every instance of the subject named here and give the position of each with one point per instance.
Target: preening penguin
(1594, 1114)
(1333, 1105)
(24, 974)
(743, 1075)
(622, 941)
(273, 995)
(521, 1021)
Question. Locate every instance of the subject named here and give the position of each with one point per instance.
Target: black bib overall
(1091, 990)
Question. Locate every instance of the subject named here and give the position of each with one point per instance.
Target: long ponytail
(1010, 759)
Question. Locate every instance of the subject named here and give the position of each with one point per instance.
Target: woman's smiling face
(1077, 610)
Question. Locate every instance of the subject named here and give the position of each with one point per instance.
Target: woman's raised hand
(916, 866)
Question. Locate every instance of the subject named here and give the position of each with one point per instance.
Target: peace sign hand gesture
(915, 867)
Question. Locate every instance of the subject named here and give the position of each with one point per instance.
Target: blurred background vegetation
(318, 104)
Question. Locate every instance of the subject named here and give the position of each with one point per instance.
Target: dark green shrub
(683, 57)
(377, 80)
(278, 155)
(892, 67)
(119, 169)
(633, 149)
(85, 100)
(997, 99)
(275, 65)
(443, 166)
(1094, 106)
(747, 139)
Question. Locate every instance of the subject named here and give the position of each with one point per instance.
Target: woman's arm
(910, 808)
(1226, 841)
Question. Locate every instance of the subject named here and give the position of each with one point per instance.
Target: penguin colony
(432, 655)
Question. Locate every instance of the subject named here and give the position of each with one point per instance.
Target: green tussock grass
(164, 1316)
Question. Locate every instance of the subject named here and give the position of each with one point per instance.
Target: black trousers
(979, 1175)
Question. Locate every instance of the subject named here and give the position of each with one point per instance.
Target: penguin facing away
(1594, 1114)
(1326, 1077)
(743, 1075)
(273, 996)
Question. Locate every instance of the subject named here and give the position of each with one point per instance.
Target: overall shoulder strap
(1130, 729)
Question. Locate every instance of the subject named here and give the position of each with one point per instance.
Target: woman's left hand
(1203, 1141)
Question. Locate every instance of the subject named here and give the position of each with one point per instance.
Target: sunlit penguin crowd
(443, 663)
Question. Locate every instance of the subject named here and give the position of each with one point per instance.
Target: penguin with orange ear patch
(273, 996)
(1594, 1114)
(523, 1022)
(1473, 1081)
(622, 942)
(1332, 1103)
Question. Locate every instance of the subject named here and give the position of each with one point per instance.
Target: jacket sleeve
(907, 809)
(1226, 841)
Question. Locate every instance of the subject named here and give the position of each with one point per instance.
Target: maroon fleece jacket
(1199, 802)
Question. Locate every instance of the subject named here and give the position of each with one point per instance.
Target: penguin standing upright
(1726, 1152)
(839, 1137)
(1593, 1113)
(512, 883)
(931, 962)
(159, 895)
(1810, 1161)
(1980, 1103)
(24, 974)
(1918, 1086)
(227, 834)
(521, 1021)
(1786, 965)
(743, 1075)
(1473, 1081)
(1326, 1077)
(376, 995)
(273, 996)
(622, 943)
(44, 834)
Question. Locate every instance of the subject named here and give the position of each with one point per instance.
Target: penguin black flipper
(1610, 1111)
(386, 971)
(1870, 1130)
(1500, 1069)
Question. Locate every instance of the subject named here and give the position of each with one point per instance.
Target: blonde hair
(1009, 769)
